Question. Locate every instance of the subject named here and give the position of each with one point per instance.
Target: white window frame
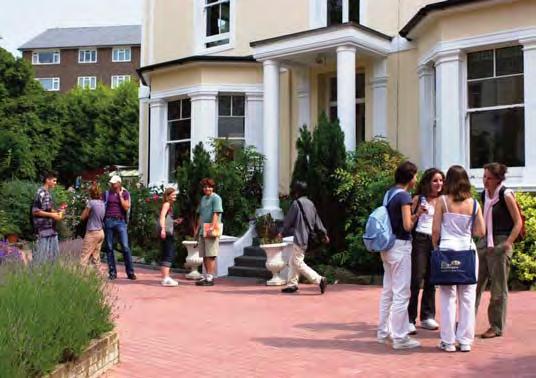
(234, 94)
(117, 80)
(318, 12)
(56, 58)
(479, 172)
(200, 28)
(177, 141)
(82, 82)
(84, 51)
(124, 51)
(55, 83)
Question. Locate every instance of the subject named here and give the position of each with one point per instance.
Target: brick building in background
(64, 58)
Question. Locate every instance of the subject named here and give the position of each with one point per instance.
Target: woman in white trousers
(453, 227)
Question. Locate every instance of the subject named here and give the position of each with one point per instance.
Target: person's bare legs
(210, 265)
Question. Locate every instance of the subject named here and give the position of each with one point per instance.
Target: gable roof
(86, 36)
(430, 8)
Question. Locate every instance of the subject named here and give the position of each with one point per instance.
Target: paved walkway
(244, 329)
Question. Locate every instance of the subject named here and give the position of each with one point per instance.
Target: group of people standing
(444, 215)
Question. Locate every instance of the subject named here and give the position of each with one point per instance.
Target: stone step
(254, 251)
(248, 271)
(253, 261)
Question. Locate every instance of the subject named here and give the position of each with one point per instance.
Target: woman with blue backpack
(426, 195)
(394, 320)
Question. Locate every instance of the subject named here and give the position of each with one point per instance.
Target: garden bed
(100, 356)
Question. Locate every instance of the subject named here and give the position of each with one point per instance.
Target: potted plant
(193, 260)
(273, 245)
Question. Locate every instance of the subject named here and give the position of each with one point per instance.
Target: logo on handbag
(453, 265)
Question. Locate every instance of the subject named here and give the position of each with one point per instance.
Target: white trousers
(465, 295)
(394, 320)
(297, 266)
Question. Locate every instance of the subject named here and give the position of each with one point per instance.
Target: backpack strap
(483, 196)
(309, 228)
(390, 194)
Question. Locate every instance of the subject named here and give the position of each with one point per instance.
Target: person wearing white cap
(117, 203)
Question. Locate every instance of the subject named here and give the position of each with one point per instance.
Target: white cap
(115, 179)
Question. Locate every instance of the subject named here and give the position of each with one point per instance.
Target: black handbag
(451, 267)
(316, 238)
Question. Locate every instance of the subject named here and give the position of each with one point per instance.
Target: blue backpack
(378, 236)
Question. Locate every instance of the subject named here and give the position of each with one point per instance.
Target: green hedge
(49, 315)
(524, 258)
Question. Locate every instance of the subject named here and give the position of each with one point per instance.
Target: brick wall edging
(99, 356)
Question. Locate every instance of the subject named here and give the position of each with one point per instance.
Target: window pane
(334, 12)
(178, 154)
(238, 105)
(173, 110)
(360, 85)
(46, 83)
(46, 57)
(480, 64)
(498, 135)
(224, 20)
(217, 43)
(333, 89)
(359, 123)
(333, 113)
(127, 55)
(224, 105)
(186, 108)
(213, 15)
(354, 10)
(179, 130)
(231, 127)
(495, 92)
(509, 60)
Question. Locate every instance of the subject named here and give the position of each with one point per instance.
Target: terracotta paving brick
(241, 328)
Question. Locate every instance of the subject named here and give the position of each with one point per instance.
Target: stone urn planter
(193, 260)
(275, 262)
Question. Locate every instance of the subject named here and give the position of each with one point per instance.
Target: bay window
(179, 127)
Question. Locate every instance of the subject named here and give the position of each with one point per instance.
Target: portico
(341, 45)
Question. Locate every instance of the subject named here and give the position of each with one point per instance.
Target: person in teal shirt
(209, 230)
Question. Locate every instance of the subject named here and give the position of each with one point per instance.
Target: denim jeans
(46, 249)
(168, 251)
(111, 227)
(420, 271)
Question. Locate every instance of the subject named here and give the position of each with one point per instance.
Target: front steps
(251, 264)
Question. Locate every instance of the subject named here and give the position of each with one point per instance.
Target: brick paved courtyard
(241, 328)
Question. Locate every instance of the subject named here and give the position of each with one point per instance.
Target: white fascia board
(218, 88)
(491, 39)
(320, 41)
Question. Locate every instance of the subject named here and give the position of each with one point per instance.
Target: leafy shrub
(15, 201)
(524, 258)
(238, 177)
(267, 230)
(360, 187)
(49, 315)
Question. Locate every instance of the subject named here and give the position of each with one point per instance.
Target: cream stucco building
(446, 82)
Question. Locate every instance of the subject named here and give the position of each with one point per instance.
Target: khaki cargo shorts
(209, 247)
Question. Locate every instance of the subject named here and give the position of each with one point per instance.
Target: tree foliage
(71, 132)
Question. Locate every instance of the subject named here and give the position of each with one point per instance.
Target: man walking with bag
(302, 221)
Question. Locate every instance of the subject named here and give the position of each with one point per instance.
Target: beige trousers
(297, 266)
(91, 248)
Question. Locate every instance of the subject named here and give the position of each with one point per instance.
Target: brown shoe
(489, 334)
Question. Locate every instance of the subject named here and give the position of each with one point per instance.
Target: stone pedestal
(193, 260)
(275, 262)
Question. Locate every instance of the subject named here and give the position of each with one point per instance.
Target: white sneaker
(170, 282)
(430, 324)
(383, 339)
(447, 347)
(465, 347)
(406, 343)
(411, 329)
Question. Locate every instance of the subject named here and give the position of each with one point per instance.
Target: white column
(204, 118)
(158, 160)
(346, 94)
(143, 132)
(253, 128)
(529, 66)
(304, 97)
(270, 194)
(379, 98)
(451, 144)
(426, 116)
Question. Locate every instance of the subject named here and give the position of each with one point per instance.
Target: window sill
(44, 64)
(215, 49)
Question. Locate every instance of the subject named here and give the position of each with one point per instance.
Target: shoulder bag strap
(304, 216)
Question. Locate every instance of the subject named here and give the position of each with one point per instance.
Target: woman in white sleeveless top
(452, 229)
